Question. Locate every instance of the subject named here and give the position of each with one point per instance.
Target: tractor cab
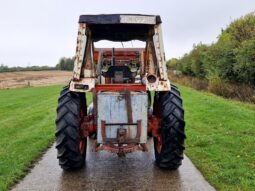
(94, 66)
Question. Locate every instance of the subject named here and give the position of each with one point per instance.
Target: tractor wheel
(175, 89)
(169, 146)
(70, 145)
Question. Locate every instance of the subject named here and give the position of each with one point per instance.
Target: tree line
(63, 64)
(231, 58)
(4, 68)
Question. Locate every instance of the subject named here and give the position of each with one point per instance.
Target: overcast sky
(39, 32)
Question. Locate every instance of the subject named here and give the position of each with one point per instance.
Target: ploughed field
(220, 134)
(33, 78)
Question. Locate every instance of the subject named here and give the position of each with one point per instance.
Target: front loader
(132, 97)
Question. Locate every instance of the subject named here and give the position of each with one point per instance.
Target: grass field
(221, 139)
(220, 135)
(26, 129)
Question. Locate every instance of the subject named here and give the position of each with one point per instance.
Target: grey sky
(39, 32)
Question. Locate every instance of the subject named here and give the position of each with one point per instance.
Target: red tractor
(132, 95)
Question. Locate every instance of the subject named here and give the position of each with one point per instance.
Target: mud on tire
(169, 146)
(69, 144)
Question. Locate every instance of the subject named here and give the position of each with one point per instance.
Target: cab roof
(120, 27)
(120, 19)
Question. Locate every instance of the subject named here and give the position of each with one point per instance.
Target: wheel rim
(158, 144)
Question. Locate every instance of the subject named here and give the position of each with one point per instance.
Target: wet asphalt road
(105, 171)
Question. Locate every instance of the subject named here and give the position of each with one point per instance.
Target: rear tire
(70, 145)
(169, 146)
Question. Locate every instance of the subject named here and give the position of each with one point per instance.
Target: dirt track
(33, 78)
(105, 171)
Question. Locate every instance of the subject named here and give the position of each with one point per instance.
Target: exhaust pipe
(151, 78)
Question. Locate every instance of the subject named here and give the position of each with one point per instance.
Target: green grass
(220, 135)
(27, 127)
(221, 139)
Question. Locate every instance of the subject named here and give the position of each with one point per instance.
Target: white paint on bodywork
(158, 85)
(80, 50)
(88, 73)
(137, 19)
(160, 52)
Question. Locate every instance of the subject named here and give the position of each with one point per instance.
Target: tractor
(132, 97)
